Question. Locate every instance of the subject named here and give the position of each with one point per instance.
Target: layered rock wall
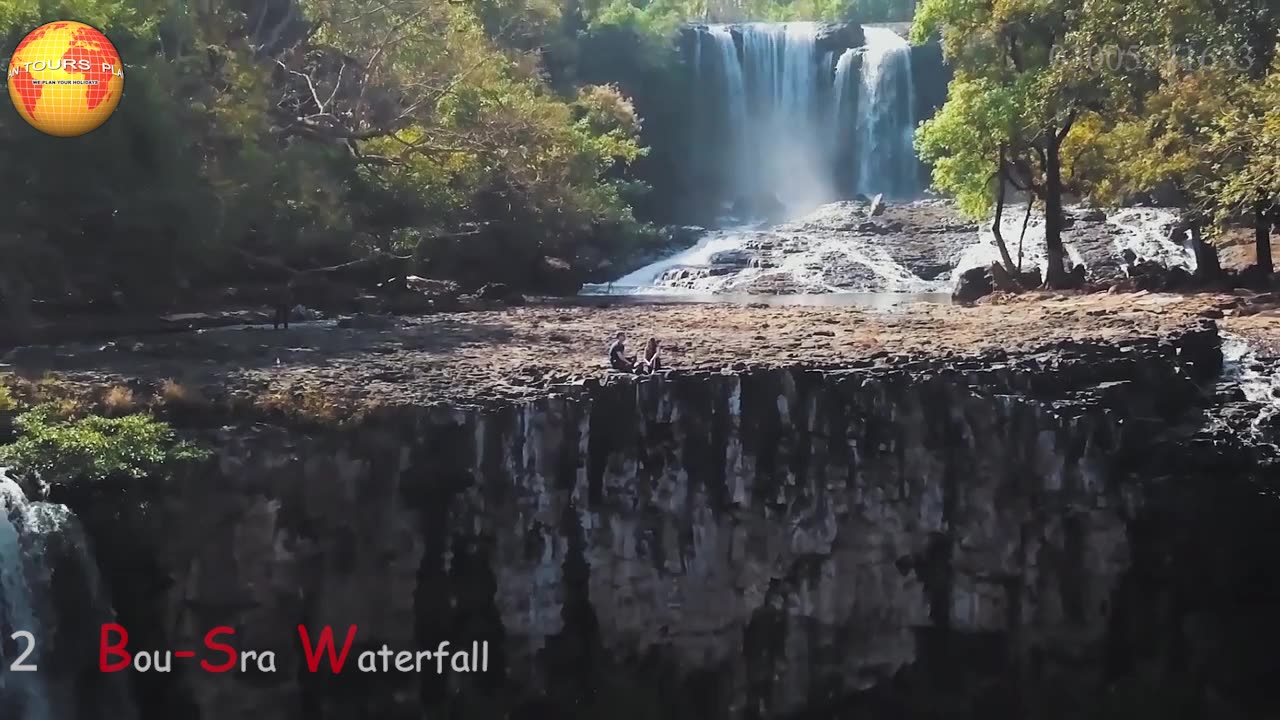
(748, 543)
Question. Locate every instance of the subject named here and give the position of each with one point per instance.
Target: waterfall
(764, 129)
(886, 117)
(50, 588)
(784, 122)
(735, 107)
(25, 690)
(844, 117)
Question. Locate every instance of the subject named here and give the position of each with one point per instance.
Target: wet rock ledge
(891, 538)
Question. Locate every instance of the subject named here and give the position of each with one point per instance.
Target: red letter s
(209, 642)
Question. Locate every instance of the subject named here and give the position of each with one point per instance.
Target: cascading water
(729, 70)
(780, 123)
(844, 116)
(51, 592)
(886, 117)
(1146, 233)
(1031, 246)
(24, 690)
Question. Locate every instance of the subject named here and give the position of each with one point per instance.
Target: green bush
(59, 449)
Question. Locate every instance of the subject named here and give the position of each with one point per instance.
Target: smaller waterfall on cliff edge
(886, 117)
(50, 588)
(1257, 380)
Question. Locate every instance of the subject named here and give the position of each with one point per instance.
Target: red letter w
(325, 646)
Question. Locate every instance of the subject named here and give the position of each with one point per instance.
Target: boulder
(877, 206)
(683, 235)
(1004, 281)
(838, 37)
(1153, 277)
(495, 291)
(1076, 278)
(733, 258)
(974, 284)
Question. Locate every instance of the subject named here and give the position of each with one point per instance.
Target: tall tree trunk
(1055, 254)
(1026, 220)
(995, 224)
(1208, 268)
(1262, 236)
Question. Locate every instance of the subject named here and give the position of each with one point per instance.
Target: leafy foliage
(1121, 100)
(58, 448)
(310, 131)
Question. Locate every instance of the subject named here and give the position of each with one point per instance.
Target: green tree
(1022, 54)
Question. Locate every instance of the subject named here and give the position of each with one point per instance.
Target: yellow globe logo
(65, 78)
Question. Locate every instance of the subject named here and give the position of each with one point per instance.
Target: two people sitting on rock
(621, 362)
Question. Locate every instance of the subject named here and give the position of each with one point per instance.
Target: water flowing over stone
(1258, 381)
(784, 124)
(886, 117)
(1094, 239)
(1146, 233)
(50, 588)
(837, 248)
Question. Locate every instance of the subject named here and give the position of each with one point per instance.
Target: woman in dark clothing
(652, 356)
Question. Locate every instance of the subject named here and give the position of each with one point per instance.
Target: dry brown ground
(513, 353)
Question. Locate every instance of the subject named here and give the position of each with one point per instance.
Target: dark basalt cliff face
(959, 538)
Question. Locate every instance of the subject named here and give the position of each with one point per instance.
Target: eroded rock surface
(757, 542)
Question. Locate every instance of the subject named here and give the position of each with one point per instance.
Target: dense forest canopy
(262, 137)
(296, 133)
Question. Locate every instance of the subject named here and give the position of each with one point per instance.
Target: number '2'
(20, 665)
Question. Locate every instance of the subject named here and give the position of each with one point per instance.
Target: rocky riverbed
(917, 246)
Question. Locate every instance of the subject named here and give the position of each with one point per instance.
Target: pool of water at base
(874, 300)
